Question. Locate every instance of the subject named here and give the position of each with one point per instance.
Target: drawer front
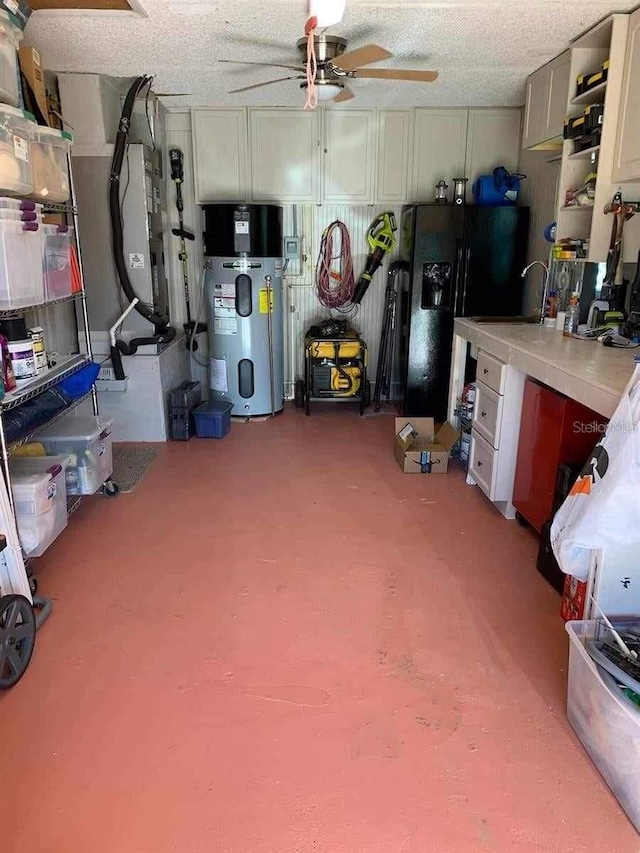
(491, 371)
(487, 414)
(483, 464)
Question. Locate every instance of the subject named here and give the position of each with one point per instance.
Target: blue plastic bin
(213, 419)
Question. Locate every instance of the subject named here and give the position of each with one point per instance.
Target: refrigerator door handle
(458, 293)
(465, 281)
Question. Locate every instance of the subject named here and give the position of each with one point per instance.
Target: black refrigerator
(457, 261)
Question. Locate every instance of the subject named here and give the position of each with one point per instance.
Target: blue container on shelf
(499, 189)
(81, 382)
(213, 419)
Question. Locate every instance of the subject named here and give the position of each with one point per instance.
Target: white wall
(301, 304)
(539, 193)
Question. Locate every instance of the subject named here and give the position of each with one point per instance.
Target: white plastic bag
(603, 508)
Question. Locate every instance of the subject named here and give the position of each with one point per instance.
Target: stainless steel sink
(519, 320)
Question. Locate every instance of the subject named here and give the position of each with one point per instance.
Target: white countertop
(586, 371)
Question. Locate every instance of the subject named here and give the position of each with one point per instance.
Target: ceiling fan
(336, 66)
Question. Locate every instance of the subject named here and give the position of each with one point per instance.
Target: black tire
(110, 489)
(17, 638)
(299, 393)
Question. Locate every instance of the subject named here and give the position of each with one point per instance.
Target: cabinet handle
(485, 371)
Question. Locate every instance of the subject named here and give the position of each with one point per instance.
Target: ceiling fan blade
(345, 95)
(266, 64)
(360, 56)
(396, 74)
(260, 85)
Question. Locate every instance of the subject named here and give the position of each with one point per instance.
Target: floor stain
(294, 695)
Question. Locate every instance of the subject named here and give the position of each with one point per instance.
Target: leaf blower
(382, 240)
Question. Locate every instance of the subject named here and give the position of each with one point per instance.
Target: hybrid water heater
(243, 285)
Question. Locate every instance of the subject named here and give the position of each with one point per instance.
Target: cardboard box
(31, 67)
(419, 449)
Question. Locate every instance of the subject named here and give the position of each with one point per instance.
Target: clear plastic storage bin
(88, 442)
(10, 38)
(58, 281)
(16, 171)
(606, 721)
(21, 273)
(41, 501)
(49, 150)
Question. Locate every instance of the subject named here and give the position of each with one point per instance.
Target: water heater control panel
(241, 231)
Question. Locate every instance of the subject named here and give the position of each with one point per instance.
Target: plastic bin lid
(18, 113)
(214, 407)
(77, 429)
(54, 132)
(31, 470)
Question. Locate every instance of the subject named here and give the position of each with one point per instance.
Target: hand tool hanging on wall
(381, 239)
(622, 212)
(176, 160)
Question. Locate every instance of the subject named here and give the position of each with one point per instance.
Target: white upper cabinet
(547, 101)
(559, 86)
(285, 155)
(439, 150)
(493, 139)
(220, 154)
(627, 158)
(537, 85)
(349, 164)
(394, 156)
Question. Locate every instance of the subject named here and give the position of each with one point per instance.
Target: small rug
(130, 464)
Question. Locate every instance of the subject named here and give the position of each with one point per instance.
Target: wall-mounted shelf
(586, 154)
(593, 96)
(7, 313)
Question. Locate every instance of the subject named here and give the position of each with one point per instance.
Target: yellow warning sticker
(263, 301)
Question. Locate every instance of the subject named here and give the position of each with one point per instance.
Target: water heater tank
(243, 285)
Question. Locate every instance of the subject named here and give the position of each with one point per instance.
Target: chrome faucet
(545, 288)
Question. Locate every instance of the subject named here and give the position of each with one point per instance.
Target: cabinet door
(559, 82)
(349, 156)
(285, 154)
(535, 111)
(220, 154)
(627, 162)
(439, 150)
(393, 156)
(493, 139)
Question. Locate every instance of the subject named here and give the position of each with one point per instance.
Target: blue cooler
(499, 189)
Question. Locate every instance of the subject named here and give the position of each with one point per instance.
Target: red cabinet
(554, 430)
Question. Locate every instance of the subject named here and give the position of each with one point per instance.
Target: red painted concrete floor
(281, 644)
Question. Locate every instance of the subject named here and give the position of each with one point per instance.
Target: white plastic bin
(605, 720)
(58, 281)
(40, 499)
(88, 442)
(21, 272)
(10, 38)
(49, 149)
(16, 171)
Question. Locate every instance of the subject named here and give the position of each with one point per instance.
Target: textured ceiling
(484, 49)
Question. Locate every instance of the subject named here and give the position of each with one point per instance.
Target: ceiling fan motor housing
(328, 48)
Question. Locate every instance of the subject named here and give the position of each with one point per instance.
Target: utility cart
(335, 369)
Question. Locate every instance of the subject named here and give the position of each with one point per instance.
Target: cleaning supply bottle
(573, 316)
